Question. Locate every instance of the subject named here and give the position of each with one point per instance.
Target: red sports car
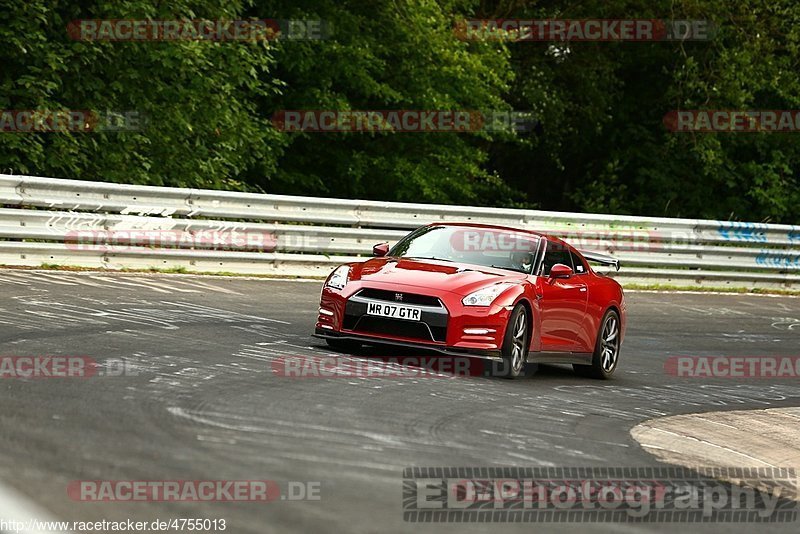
(512, 296)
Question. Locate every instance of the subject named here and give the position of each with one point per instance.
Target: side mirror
(559, 270)
(380, 250)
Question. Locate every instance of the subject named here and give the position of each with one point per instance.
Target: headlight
(338, 278)
(485, 296)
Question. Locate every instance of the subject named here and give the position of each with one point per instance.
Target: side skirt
(580, 358)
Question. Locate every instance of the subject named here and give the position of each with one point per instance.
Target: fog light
(479, 331)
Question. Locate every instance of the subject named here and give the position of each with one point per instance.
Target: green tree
(603, 146)
(387, 55)
(199, 98)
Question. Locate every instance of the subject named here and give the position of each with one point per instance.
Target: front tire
(515, 345)
(606, 349)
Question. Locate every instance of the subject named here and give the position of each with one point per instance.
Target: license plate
(394, 311)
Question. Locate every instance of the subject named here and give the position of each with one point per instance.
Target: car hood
(460, 278)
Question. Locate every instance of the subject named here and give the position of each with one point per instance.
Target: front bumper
(441, 349)
(447, 325)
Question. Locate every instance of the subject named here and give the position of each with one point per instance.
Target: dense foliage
(601, 144)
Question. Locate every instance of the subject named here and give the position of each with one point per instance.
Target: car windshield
(486, 247)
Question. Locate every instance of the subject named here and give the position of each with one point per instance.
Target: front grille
(408, 298)
(393, 327)
(432, 325)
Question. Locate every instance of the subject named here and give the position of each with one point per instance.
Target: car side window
(579, 265)
(555, 254)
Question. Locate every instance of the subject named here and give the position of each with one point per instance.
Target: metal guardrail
(104, 225)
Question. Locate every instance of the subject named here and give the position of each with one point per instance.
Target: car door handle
(583, 290)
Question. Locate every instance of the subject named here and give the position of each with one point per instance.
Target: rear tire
(515, 345)
(343, 345)
(606, 350)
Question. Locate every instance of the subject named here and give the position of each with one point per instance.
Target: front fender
(526, 295)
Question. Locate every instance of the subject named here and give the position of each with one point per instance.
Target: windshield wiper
(426, 258)
(509, 269)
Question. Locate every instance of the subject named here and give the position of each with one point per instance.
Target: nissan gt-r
(508, 295)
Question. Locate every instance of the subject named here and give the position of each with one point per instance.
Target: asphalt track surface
(201, 401)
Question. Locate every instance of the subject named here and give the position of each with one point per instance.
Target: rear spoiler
(601, 259)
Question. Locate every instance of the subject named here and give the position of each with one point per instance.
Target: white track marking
(132, 284)
(725, 293)
(198, 283)
(219, 312)
(83, 280)
(13, 280)
(60, 280)
(168, 285)
(15, 507)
